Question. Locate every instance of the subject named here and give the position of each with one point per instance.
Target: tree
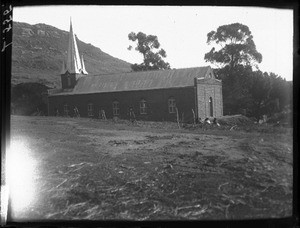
(236, 81)
(281, 91)
(237, 46)
(148, 46)
(260, 89)
(27, 98)
(245, 89)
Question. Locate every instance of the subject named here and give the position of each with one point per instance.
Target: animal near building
(162, 95)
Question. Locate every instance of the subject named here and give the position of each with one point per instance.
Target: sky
(181, 30)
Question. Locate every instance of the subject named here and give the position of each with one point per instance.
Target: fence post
(194, 117)
(177, 115)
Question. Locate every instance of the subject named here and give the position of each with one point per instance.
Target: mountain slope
(39, 50)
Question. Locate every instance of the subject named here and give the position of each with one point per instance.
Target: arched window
(90, 109)
(143, 107)
(116, 108)
(172, 105)
(211, 111)
(66, 109)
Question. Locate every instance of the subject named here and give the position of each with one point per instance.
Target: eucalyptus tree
(149, 47)
(233, 45)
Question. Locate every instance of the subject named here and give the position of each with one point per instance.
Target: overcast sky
(181, 30)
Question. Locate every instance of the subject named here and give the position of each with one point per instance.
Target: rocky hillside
(38, 52)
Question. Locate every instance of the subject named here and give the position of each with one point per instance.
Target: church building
(161, 95)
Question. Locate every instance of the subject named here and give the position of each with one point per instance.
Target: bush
(28, 98)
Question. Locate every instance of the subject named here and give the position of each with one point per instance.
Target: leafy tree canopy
(256, 92)
(148, 46)
(236, 46)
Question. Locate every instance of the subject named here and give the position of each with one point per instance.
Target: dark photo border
(5, 89)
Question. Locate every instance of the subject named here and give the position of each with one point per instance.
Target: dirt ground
(92, 169)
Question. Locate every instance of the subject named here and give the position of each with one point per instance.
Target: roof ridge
(138, 72)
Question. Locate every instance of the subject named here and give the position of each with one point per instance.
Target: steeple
(73, 61)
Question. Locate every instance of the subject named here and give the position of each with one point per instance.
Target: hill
(38, 51)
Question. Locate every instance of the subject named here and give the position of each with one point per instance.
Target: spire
(73, 64)
(83, 70)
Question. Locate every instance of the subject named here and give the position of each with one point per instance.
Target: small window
(172, 105)
(116, 108)
(90, 109)
(66, 110)
(143, 107)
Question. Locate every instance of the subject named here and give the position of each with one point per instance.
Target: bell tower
(74, 67)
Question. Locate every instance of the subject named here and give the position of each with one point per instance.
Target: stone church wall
(157, 102)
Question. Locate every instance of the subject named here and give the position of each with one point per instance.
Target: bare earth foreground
(92, 169)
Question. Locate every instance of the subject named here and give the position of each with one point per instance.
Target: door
(211, 111)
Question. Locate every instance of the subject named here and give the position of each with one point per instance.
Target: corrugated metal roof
(144, 80)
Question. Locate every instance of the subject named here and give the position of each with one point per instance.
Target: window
(90, 109)
(116, 108)
(66, 110)
(172, 105)
(143, 107)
